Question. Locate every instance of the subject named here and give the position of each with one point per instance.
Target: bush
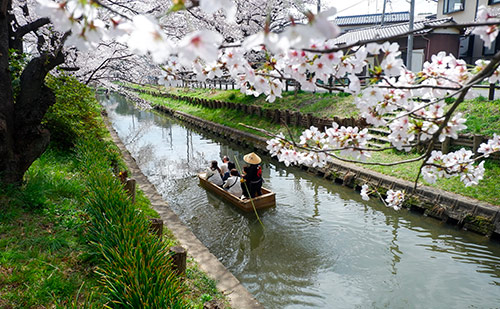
(74, 114)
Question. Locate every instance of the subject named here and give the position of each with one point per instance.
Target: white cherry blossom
(395, 199)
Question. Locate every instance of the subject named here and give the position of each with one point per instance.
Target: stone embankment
(452, 208)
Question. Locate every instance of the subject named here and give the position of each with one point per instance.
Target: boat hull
(266, 200)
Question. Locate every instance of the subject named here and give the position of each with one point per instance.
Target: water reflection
(322, 246)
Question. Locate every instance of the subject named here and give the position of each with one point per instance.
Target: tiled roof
(380, 32)
(371, 19)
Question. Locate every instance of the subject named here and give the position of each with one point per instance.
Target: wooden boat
(266, 200)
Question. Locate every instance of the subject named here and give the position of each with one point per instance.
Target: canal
(322, 246)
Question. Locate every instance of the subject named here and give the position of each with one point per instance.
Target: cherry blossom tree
(304, 51)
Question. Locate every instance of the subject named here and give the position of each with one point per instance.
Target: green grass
(483, 116)
(202, 288)
(42, 253)
(227, 117)
(319, 104)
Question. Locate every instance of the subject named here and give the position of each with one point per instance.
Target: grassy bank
(484, 192)
(227, 117)
(483, 116)
(70, 236)
(318, 104)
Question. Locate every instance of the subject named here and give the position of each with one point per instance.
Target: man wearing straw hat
(253, 176)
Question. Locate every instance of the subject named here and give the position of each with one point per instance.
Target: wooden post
(178, 255)
(226, 85)
(286, 85)
(287, 116)
(277, 116)
(220, 84)
(156, 227)
(130, 188)
(445, 146)
(309, 120)
(476, 141)
(232, 84)
(491, 92)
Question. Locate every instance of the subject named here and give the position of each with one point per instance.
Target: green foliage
(202, 288)
(17, 62)
(71, 199)
(74, 114)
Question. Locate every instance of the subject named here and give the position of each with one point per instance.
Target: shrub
(74, 114)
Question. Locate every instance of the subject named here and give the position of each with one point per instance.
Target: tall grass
(135, 266)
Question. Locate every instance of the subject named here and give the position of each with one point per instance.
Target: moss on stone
(479, 224)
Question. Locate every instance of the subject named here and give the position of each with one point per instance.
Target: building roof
(371, 19)
(387, 31)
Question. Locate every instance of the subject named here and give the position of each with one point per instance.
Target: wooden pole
(178, 255)
(445, 146)
(156, 227)
(476, 141)
(491, 92)
(130, 188)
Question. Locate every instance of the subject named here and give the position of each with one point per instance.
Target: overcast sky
(358, 7)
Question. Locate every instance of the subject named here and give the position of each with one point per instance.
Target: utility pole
(383, 14)
(409, 49)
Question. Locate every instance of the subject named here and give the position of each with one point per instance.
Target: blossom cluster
(487, 33)
(491, 146)
(410, 104)
(458, 163)
(350, 141)
(394, 198)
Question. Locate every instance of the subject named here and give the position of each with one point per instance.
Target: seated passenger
(230, 166)
(224, 166)
(233, 184)
(214, 174)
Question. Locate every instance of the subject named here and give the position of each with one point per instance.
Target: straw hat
(252, 158)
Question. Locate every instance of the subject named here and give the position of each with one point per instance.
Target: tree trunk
(22, 137)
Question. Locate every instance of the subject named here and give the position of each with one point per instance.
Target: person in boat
(233, 183)
(214, 174)
(230, 166)
(223, 167)
(252, 178)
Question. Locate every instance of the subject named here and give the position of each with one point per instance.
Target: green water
(322, 246)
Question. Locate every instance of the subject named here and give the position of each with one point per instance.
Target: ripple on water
(322, 246)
